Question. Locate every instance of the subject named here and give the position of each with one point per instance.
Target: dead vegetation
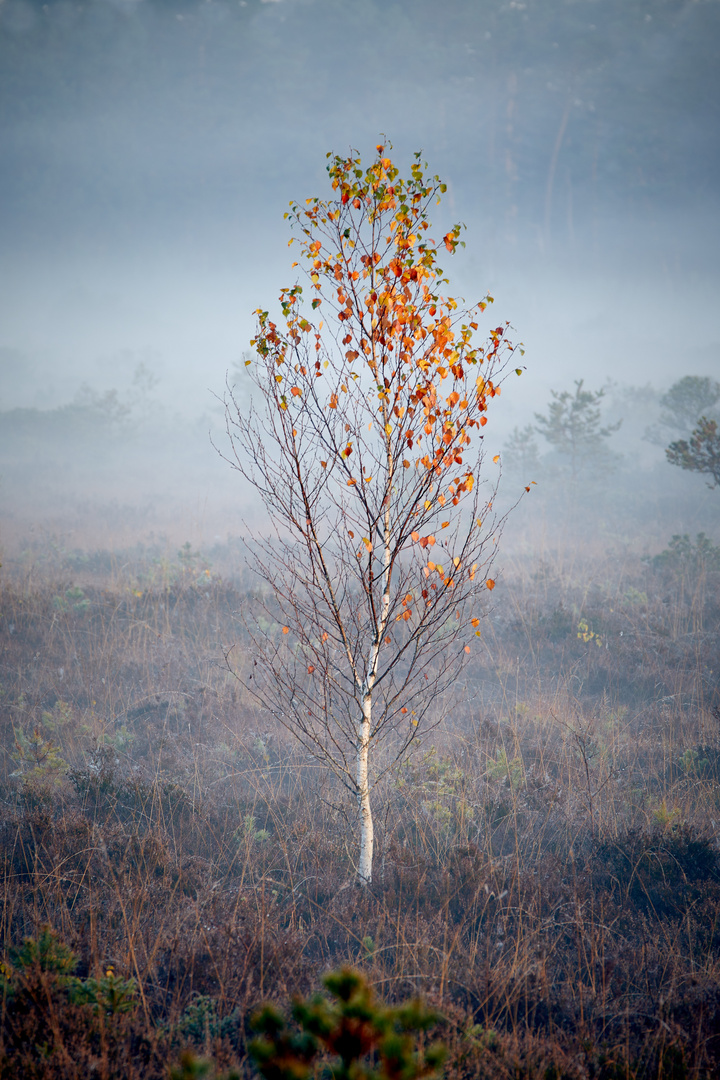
(547, 866)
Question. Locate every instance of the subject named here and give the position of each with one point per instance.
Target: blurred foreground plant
(361, 1038)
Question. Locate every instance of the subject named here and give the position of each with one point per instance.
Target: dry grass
(546, 874)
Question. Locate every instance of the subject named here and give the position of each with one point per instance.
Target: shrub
(360, 1037)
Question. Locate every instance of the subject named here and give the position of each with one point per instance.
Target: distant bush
(682, 554)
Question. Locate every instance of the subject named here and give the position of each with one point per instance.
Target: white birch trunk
(367, 836)
(363, 789)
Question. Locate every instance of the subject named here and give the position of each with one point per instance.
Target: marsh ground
(547, 870)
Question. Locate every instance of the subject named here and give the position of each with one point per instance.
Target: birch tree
(364, 439)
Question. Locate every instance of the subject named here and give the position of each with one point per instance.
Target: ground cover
(547, 866)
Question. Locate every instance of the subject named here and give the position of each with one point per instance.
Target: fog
(150, 149)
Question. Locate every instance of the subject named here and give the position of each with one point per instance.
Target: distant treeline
(567, 108)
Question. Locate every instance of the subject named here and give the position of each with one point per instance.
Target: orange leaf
(415, 536)
(475, 622)
(311, 668)
(467, 648)
(325, 635)
(444, 524)
(496, 459)
(286, 629)
(403, 710)
(490, 583)
(387, 640)
(333, 401)
(296, 391)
